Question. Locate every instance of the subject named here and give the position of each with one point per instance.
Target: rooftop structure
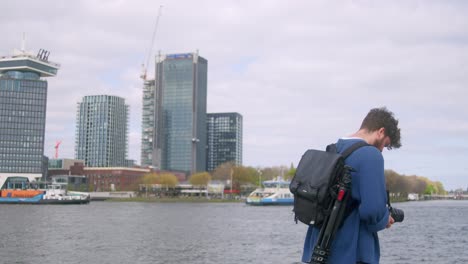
(23, 61)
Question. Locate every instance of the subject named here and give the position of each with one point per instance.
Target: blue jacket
(357, 239)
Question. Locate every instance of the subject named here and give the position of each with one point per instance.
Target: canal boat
(40, 193)
(273, 192)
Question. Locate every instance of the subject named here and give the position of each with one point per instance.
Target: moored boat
(274, 192)
(49, 194)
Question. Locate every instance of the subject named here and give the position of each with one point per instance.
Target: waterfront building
(23, 103)
(224, 139)
(45, 165)
(119, 178)
(63, 164)
(101, 179)
(72, 182)
(178, 116)
(101, 131)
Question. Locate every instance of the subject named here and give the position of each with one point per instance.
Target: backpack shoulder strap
(352, 204)
(331, 148)
(354, 147)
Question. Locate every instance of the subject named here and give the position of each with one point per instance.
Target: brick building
(109, 179)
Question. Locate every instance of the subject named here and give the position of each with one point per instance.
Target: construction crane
(150, 50)
(57, 144)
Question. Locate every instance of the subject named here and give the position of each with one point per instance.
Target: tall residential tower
(23, 101)
(101, 131)
(224, 139)
(149, 153)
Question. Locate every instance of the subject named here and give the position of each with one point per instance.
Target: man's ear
(382, 131)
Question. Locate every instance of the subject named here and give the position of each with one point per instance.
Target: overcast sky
(302, 73)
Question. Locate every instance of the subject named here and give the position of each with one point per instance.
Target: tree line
(226, 172)
(241, 176)
(397, 183)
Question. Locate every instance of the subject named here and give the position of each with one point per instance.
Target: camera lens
(397, 214)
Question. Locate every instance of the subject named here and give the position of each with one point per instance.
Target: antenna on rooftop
(23, 43)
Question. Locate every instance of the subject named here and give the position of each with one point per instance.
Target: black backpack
(315, 183)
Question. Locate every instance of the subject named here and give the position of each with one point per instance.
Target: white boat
(58, 194)
(40, 193)
(274, 192)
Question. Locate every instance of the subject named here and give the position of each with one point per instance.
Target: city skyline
(301, 74)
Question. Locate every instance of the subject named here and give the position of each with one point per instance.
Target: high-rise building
(149, 153)
(224, 139)
(179, 114)
(23, 101)
(101, 131)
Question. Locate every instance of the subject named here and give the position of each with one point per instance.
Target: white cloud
(301, 73)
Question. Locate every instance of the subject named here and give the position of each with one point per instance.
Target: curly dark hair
(382, 117)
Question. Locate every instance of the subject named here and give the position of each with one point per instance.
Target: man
(357, 241)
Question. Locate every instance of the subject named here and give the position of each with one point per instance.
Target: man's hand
(390, 221)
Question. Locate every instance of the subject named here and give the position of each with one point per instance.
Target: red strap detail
(341, 194)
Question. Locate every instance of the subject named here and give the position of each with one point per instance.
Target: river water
(203, 233)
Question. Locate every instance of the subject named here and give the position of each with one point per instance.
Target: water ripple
(433, 232)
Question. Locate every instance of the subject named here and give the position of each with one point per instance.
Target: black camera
(397, 214)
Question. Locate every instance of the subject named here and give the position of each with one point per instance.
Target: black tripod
(334, 219)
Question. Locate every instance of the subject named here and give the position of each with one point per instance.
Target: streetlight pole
(259, 178)
(232, 172)
(194, 155)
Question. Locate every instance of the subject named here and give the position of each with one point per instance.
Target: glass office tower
(101, 131)
(23, 101)
(181, 89)
(224, 139)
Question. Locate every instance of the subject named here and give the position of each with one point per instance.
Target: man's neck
(365, 135)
